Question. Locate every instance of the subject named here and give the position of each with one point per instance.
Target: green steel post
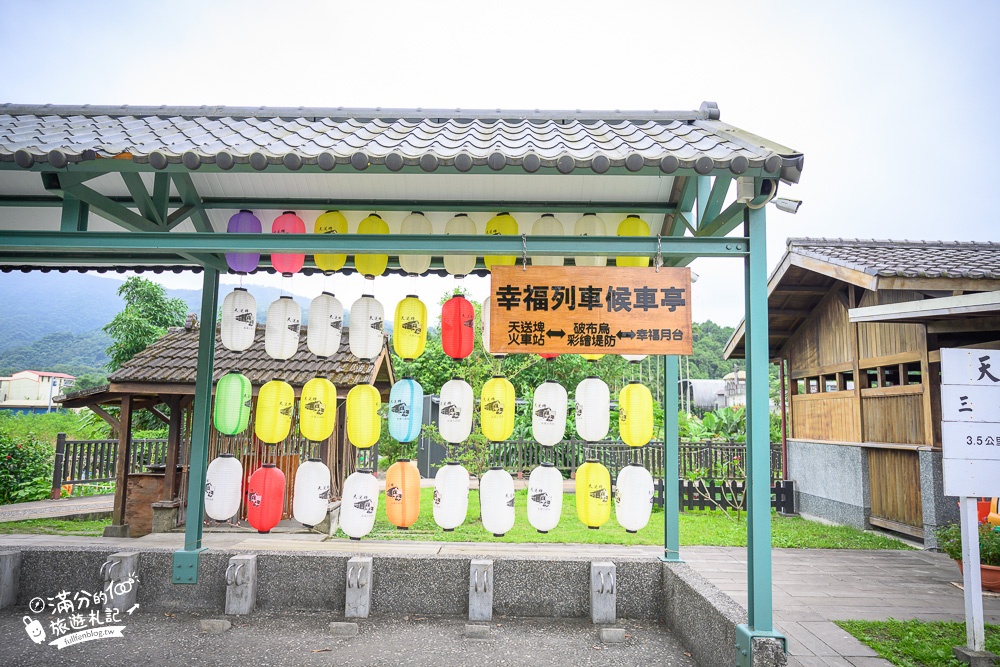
(75, 215)
(671, 457)
(704, 191)
(185, 569)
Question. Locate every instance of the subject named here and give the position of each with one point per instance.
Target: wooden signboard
(590, 310)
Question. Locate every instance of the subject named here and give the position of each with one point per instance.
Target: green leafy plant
(950, 541)
(25, 468)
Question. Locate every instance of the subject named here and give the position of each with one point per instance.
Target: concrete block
(10, 577)
(611, 635)
(214, 626)
(117, 531)
(975, 658)
(603, 592)
(768, 652)
(331, 523)
(481, 590)
(344, 630)
(120, 580)
(358, 595)
(241, 584)
(164, 515)
(477, 631)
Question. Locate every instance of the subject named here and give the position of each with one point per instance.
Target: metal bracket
(744, 643)
(185, 570)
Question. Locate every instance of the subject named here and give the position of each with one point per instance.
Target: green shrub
(25, 468)
(950, 540)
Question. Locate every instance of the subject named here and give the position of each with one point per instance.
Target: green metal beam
(161, 195)
(141, 198)
(671, 462)
(684, 206)
(714, 201)
(112, 211)
(704, 189)
(190, 197)
(180, 215)
(724, 222)
(75, 215)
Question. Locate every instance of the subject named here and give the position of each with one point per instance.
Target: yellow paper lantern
(592, 357)
(331, 222)
(633, 225)
(372, 265)
(409, 332)
(318, 409)
(593, 494)
(635, 414)
(496, 405)
(364, 426)
(274, 412)
(501, 224)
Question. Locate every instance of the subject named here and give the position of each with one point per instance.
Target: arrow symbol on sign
(555, 333)
(625, 334)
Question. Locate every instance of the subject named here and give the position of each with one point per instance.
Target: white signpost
(970, 440)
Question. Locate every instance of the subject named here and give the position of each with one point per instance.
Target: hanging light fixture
(371, 266)
(545, 497)
(281, 331)
(457, 327)
(318, 409)
(593, 409)
(548, 225)
(635, 414)
(311, 493)
(364, 426)
(331, 222)
(455, 411)
(365, 328)
(239, 320)
(593, 494)
(415, 223)
(288, 263)
(402, 494)
(502, 224)
(548, 413)
(460, 265)
(223, 483)
(359, 504)
(406, 410)
(496, 406)
(634, 358)
(633, 497)
(632, 225)
(451, 496)
(326, 322)
(265, 497)
(486, 329)
(243, 222)
(590, 225)
(496, 501)
(274, 412)
(409, 331)
(233, 401)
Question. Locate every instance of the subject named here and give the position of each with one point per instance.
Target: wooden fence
(94, 461)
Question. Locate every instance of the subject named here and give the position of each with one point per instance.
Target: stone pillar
(241, 584)
(10, 577)
(938, 509)
(119, 581)
(481, 590)
(358, 600)
(603, 592)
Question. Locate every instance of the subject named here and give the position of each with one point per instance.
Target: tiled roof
(174, 359)
(359, 138)
(905, 259)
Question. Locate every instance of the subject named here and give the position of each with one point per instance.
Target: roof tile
(907, 259)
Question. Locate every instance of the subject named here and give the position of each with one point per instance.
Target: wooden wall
(825, 417)
(877, 339)
(823, 339)
(894, 419)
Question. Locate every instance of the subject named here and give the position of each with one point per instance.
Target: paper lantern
(548, 225)
(243, 222)
(359, 505)
(496, 501)
(593, 494)
(486, 329)
(592, 357)
(331, 222)
(590, 225)
(326, 323)
(634, 358)
(409, 331)
(311, 493)
(633, 497)
(239, 320)
(548, 356)
(457, 327)
(364, 426)
(233, 401)
(274, 412)
(415, 223)
(223, 486)
(402, 494)
(372, 265)
(365, 328)
(635, 414)
(632, 225)
(496, 405)
(406, 410)
(455, 411)
(548, 413)
(460, 265)
(265, 497)
(502, 224)
(288, 263)
(318, 409)
(545, 496)
(451, 496)
(281, 331)
(593, 409)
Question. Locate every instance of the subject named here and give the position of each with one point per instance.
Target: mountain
(63, 352)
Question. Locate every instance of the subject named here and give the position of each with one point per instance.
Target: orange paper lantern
(402, 494)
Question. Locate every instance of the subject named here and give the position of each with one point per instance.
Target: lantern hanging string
(524, 252)
(659, 256)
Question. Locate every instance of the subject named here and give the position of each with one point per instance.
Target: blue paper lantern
(406, 410)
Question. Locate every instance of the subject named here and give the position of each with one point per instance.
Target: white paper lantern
(593, 409)
(548, 225)
(239, 320)
(359, 504)
(633, 497)
(223, 487)
(486, 329)
(634, 358)
(415, 223)
(281, 333)
(548, 413)
(545, 496)
(460, 265)
(455, 410)
(326, 322)
(591, 225)
(312, 493)
(365, 328)
(451, 496)
(496, 501)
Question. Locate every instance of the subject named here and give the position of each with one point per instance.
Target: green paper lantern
(233, 399)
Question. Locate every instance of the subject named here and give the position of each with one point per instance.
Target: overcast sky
(889, 101)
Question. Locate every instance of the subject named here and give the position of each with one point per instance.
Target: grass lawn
(917, 643)
(55, 527)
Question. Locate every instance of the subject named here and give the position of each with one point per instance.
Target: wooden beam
(953, 284)
(173, 446)
(99, 411)
(964, 325)
(850, 276)
(791, 312)
(121, 465)
(801, 289)
(853, 299)
(891, 359)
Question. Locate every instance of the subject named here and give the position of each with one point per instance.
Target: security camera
(787, 205)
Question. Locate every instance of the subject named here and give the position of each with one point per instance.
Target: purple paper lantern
(243, 222)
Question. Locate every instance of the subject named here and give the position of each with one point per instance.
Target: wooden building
(858, 327)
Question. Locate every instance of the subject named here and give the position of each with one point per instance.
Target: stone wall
(831, 482)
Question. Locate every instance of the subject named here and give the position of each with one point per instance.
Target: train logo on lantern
(337, 324)
(394, 493)
(412, 325)
(400, 408)
(315, 406)
(546, 413)
(600, 494)
(451, 410)
(244, 318)
(494, 406)
(254, 498)
(437, 497)
(287, 411)
(209, 491)
(294, 328)
(542, 499)
(510, 501)
(365, 506)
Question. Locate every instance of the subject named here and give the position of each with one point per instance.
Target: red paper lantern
(457, 327)
(288, 263)
(265, 497)
(548, 356)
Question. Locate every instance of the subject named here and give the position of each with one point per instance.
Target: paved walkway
(56, 509)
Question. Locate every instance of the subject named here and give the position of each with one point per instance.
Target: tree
(147, 314)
